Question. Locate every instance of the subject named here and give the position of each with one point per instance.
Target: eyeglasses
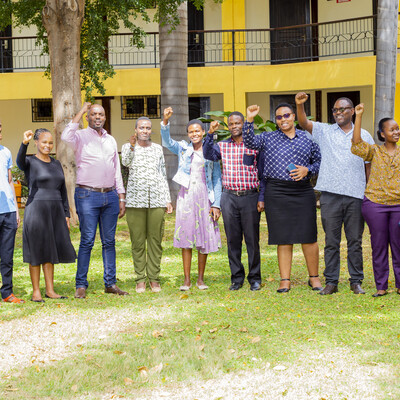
(340, 109)
(286, 116)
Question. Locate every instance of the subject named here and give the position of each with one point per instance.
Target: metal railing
(299, 43)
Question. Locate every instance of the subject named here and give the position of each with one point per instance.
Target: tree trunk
(62, 20)
(386, 58)
(174, 86)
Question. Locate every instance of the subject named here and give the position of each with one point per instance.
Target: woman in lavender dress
(198, 202)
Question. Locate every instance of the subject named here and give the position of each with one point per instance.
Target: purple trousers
(384, 226)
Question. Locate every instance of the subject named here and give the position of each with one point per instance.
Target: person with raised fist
(198, 202)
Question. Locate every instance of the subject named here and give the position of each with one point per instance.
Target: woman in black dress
(46, 238)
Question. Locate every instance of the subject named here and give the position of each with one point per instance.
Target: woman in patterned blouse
(381, 204)
(291, 158)
(147, 198)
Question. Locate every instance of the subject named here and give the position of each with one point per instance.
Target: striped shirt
(239, 163)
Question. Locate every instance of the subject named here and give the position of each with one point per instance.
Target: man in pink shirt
(99, 193)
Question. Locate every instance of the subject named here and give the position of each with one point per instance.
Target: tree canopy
(102, 18)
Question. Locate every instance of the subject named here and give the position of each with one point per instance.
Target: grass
(177, 337)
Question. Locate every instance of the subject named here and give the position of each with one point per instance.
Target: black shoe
(356, 288)
(38, 301)
(329, 289)
(255, 286)
(284, 290)
(316, 288)
(235, 286)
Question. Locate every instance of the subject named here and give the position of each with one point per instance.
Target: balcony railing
(299, 43)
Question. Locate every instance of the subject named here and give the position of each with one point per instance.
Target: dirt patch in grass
(51, 335)
(333, 375)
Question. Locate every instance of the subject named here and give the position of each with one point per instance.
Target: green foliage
(103, 18)
(259, 124)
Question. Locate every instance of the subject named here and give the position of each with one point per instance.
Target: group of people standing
(271, 170)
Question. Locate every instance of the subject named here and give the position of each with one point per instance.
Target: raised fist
(213, 126)
(86, 106)
(359, 109)
(28, 135)
(252, 111)
(167, 114)
(301, 98)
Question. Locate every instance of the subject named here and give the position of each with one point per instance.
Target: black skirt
(45, 234)
(290, 208)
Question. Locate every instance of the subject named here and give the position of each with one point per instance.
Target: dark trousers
(383, 222)
(8, 228)
(242, 218)
(338, 210)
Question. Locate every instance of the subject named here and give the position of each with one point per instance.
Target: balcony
(301, 43)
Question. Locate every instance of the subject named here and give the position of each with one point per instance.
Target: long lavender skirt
(194, 227)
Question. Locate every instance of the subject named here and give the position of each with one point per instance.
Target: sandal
(316, 288)
(12, 299)
(284, 290)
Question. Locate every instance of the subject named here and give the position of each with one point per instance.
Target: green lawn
(204, 334)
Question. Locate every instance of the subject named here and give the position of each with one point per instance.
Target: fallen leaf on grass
(11, 390)
(279, 368)
(143, 371)
(74, 388)
(321, 324)
(232, 351)
(128, 381)
(201, 348)
(119, 352)
(183, 296)
(226, 327)
(37, 368)
(256, 339)
(244, 329)
(157, 334)
(213, 330)
(179, 330)
(204, 323)
(198, 330)
(198, 337)
(270, 279)
(53, 323)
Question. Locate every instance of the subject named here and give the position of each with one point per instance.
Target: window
(133, 107)
(42, 110)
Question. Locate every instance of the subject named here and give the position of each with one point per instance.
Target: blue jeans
(8, 228)
(96, 208)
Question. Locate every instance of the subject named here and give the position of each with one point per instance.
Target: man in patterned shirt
(240, 203)
(341, 182)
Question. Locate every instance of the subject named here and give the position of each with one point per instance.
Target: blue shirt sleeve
(211, 151)
(171, 144)
(217, 184)
(250, 140)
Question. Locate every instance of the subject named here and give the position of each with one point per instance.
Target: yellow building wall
(331, 11)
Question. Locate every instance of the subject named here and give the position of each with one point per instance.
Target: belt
(92, 189)
(240, 192)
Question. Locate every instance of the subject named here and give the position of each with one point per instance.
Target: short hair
(284, 105)
(238, 113)
(351, 104)
(38, 132)
(141, 118)
(381, 125)
(193, 122)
